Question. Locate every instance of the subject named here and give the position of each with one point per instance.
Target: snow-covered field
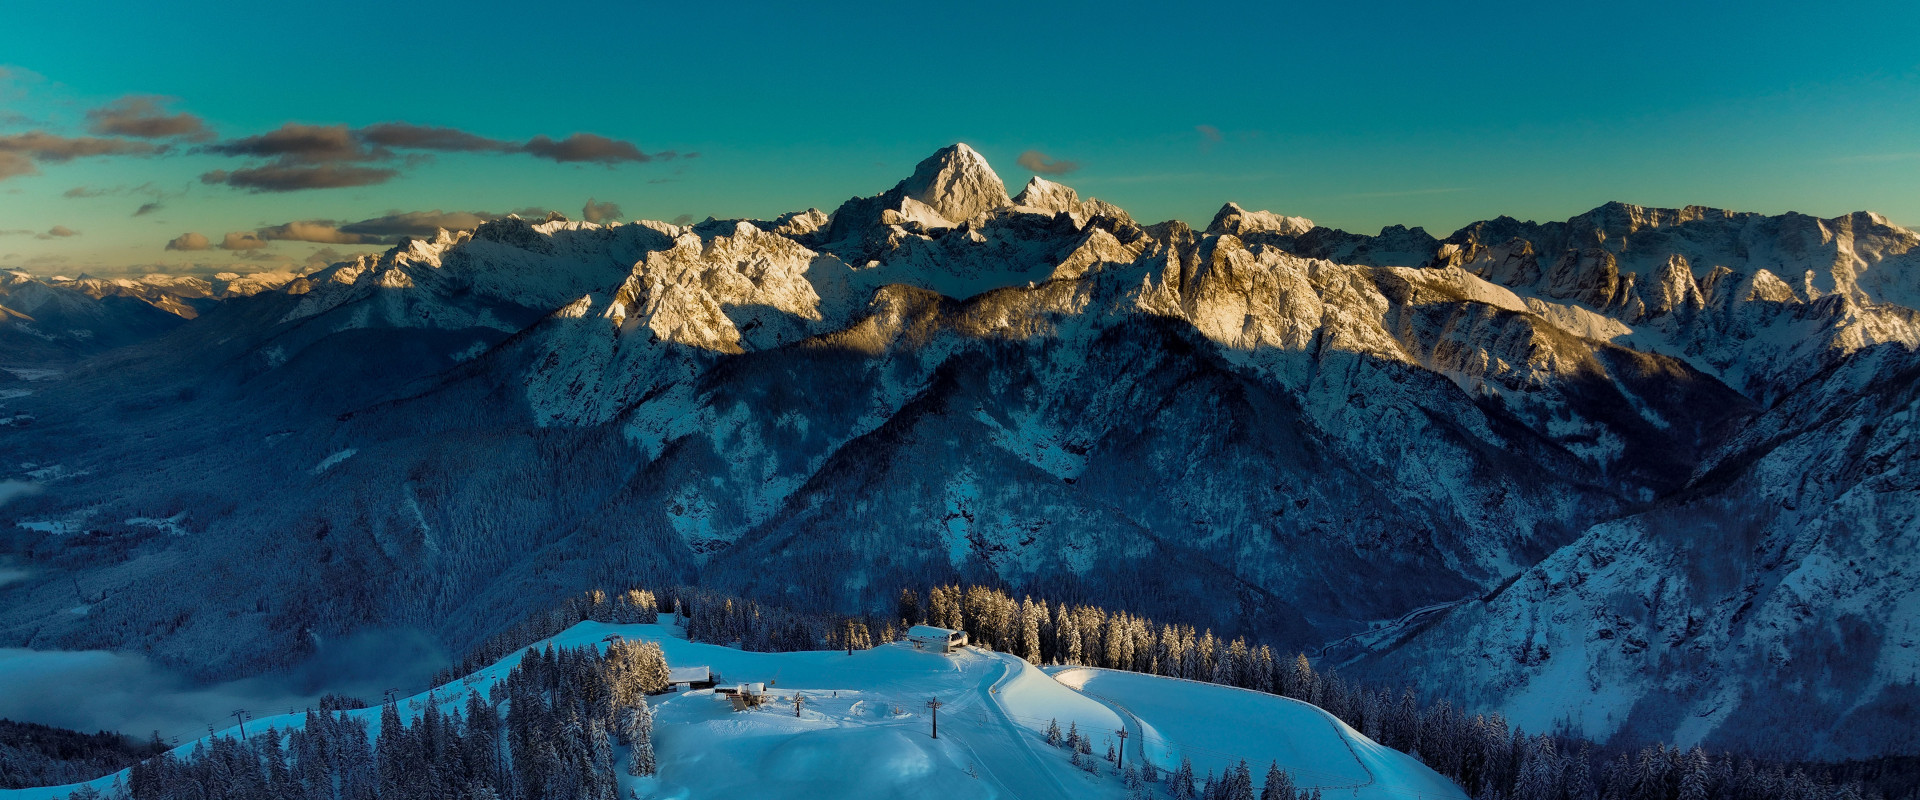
(1219, 726)
(864, 728)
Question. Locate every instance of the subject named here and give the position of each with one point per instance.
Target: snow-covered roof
(930, 632)
(689, 674)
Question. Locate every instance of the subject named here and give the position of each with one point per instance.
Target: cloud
(304, 156)
(46, 147)
(242, 240)
(14, 164)
(382, 230)
(424, 137)
(189, 241)
(14, 490)
(1036, 161)
(59, 232)
(143, 116)
(420, 224)
(302, 144)
(82, 191)
(99, 690)
(313, 231)
(281, 177)
(147, 208)
(1209, 134)
(600, 212)
(683, 219)
(325, 256)
(587, 147)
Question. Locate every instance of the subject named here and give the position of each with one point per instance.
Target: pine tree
(909, 609)
(1279, 784)
(1694, 775)
(1073, 735)
(1180, 781)
(1030, 630)
(1053, 732)
(640, 760)
(1238, 784)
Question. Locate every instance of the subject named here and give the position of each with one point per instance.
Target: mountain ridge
(1274, 427)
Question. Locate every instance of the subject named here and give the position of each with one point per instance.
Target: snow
(864, 729)
(169, 525)
(1218, 726)
(331, 461)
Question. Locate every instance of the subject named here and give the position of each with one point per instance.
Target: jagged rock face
(1278, 428)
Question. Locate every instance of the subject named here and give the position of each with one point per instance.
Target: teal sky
(1356, 115)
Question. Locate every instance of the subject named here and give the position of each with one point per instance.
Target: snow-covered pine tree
(1694, 775)
(1279, 785)
(1030, 630)
(1238, 783)
(605, 785)
(1180, 781)
(640, 759)
(1073, 735)
(1053, 732)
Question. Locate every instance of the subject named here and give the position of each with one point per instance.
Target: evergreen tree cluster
(564, 709)
(41, 755)
(1479, 751)
(720, 618)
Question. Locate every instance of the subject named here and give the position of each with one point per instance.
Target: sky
(205, 136)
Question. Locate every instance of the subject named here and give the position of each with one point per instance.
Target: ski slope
(863, 729)
(1218, 726)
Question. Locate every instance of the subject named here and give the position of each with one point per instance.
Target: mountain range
(1645, 473)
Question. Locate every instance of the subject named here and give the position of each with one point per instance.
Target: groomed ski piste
(864, 728)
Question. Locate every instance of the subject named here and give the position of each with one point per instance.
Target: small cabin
(938, 640)
(684, 678)
(745, 696)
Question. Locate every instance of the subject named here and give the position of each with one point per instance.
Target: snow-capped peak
(1238, 221)
(957, 182)
(1046, 195)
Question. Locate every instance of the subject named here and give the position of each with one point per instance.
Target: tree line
(1484, 754)
(554, 729)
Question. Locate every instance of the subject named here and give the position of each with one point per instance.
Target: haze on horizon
(222, 135)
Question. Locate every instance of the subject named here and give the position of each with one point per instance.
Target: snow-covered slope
(1266, 426)
(864, 729)
(1767, 608)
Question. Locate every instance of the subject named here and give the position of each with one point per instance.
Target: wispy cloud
(1041, 163)
(336, 156)
(145, 117)
(597, 212)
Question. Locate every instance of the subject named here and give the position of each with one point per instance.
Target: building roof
(689, 674)
(929, 632)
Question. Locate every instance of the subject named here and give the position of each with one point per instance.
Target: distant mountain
(1267, 426)
(52, 319)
